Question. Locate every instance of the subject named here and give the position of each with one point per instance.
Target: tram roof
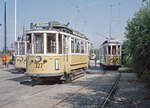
(55, 25)
(111, 40)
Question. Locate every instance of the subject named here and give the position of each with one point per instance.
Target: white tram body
(20, 54)
(110, 53)
(55, 51)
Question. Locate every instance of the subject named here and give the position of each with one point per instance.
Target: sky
(91, 17)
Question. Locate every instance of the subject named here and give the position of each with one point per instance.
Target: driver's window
(51, 43)
(38, 43)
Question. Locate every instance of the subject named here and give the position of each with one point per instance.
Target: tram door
(66, 53)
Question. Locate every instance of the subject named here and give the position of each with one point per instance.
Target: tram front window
(21, 48)
(16, 48)
(109, 50)
(51, 43)
(118, 50)
(38, 44)
(113, 50)
(29, 45)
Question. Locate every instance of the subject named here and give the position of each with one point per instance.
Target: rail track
(113, 88)
(104, 102)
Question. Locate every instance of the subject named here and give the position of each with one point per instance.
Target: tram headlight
(21, 58)
(38, 59)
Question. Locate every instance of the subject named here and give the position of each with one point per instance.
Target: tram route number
(39, 65)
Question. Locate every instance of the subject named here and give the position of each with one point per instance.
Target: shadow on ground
(92, 92)
(25, 80)
(14, 71)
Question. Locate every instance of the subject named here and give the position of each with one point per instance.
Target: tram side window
(72, 45)
(60, 43)
(114, 50)
(51, 43)
(89, 47)
(29, 44)
(119, 50)
(64, 45)
(77, 46)
(105, 51)
(39, 44)
(109, 50)
(82, 47)
(86, 47)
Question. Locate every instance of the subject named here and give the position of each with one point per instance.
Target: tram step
(78, 76)
(75, 73)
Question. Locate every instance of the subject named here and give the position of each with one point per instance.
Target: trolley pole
(15, 21)
(110, 21)
(5, 29)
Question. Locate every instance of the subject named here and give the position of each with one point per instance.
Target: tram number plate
(39, 65)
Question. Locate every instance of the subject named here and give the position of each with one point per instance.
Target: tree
(138, 38)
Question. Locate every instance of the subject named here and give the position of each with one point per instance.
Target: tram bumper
(44, 74)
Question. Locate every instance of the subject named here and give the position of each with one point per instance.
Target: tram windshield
(51, 43)
(38, 43)
(16, 48)
(21, 48)
(113, 50)
(29, 44)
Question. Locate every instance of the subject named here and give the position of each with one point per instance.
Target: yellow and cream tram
(20, 54)
(54, 50)
(110, 53)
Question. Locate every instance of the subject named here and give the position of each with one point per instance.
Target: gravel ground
(131, 93)
(89, 91)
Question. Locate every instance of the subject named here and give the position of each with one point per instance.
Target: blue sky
(91, 17)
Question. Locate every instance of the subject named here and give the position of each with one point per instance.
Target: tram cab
(110, 53)
(55, 51)
(20, 54)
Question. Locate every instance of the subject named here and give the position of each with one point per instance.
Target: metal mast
(110, 21)
(15, 21)
(5, 29)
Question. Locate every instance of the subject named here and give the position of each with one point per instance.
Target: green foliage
(125, 70)
(127, 58)
(137, 45)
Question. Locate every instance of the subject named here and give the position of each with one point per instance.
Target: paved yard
(16, 90)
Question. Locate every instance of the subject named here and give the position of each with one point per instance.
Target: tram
(20, 54)
(55, 50)
(110, 54)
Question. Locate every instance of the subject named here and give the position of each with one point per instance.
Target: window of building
(38, 43)
(72, 45)
(113, 50)
(51, 43)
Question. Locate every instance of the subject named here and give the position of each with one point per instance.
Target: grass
(126, 70)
